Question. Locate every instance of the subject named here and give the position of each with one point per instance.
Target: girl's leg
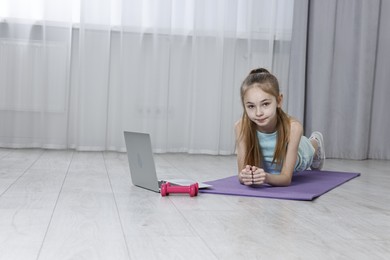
(314, 143)
(319, 155)
(305, 156)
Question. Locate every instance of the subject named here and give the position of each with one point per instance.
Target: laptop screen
(141, 163)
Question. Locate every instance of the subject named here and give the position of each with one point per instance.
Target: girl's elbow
(281, 181)
(287, 183)
(287, 178)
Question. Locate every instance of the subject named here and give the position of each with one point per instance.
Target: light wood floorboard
(82, 205)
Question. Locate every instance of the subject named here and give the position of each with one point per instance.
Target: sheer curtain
(76, 74)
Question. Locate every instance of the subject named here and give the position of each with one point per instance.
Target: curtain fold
(379, 142)
(34, 84)
(347, 77)
(296, 92)
(77, 74)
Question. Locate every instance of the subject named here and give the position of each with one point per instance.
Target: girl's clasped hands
(252, 175)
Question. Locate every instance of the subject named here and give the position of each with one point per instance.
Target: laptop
(141, 163)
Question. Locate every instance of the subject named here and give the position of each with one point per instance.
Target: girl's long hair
(264, 80)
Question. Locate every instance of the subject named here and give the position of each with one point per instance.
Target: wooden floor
(82, 205)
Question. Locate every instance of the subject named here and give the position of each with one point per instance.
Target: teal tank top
(267, 144)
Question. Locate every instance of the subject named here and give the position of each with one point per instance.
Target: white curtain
(76, 74)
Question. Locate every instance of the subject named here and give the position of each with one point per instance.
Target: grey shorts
(305, 155)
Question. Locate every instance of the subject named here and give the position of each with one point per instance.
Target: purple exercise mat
(306, 185)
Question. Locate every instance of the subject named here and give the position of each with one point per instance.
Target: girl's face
(261, 108)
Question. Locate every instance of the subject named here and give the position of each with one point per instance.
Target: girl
(270, 144)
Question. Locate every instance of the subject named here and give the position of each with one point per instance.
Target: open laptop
(141, 163)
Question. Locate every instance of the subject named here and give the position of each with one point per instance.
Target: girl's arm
(246, 174)
(285, 176)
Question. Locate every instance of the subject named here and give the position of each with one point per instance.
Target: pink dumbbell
(166, 188)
